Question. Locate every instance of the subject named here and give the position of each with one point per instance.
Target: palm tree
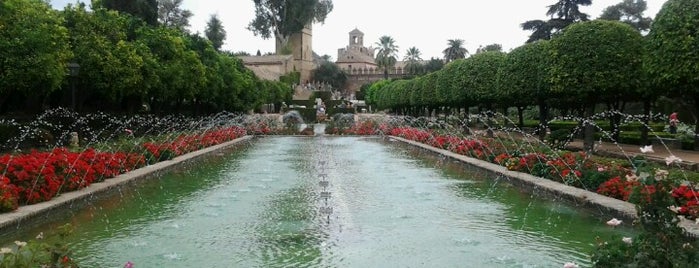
(386, 57)
(455, 50)
(413, 59)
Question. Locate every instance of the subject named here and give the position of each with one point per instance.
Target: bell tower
(356, 38)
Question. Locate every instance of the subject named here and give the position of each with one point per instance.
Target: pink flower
(128, 264)
(600, 169)
(128, 131)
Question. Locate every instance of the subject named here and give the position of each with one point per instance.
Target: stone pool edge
(621, 209)
(31, 214)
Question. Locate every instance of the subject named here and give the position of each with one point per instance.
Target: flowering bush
(8, 195)
(47, 251)
(39, 176)
(688, 200)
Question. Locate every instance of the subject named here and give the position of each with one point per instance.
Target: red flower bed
(39, 176)
(567, 168)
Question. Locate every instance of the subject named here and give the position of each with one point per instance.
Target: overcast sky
(426, 25)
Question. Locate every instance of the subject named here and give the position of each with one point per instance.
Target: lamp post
(73, 71)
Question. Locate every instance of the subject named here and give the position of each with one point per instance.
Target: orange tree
(597, 61)
(673, 60)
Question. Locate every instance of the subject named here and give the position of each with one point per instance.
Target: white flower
(661, 174)
(40, 236)
(627, 240)
(570, 265)
(631, 177)
(613, 222)
(20, 243)
(672, 159)
(5, 250)
(647, 149)
(674, 209)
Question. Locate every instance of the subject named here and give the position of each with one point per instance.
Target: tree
(455, 50)
(673, 59)
(171, 14)
(491, 47)
(562, 14)
(386, 56)
(283, 18)
(433, 65)
(524, 78)
(34, 51)
(147, 10)
(482, 77)
(330, 73)
(214, 32)
(413, 59)
(111, 66)
(597, 61)
(629, 12)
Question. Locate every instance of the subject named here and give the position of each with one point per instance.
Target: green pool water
(392, 206)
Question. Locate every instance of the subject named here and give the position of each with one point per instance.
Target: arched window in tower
(354, 40)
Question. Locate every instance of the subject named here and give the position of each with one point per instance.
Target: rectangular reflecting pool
(385, 204)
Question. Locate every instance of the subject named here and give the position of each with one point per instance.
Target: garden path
(690, 159)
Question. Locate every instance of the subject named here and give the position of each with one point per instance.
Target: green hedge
(633, 126)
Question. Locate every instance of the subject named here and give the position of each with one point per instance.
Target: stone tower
(356, 56)
(301, 48)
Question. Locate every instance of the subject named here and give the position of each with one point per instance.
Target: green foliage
(386, 56)
(413, 59)
(523, 78)
(330, 73)
(661, 242)
(597, 60)
(562, 13)
(49, 251)
(214, 32)
(292, 78)
(171, 14)
(455, 50)
(147, 10)
(433, 65)
(99, 41)
(673, 60)
(34, 49)
(482, 77)
(284, 18)
(372, 93)
(629, 12)
(491, 47)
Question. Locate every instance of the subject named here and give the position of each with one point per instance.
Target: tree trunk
(543, 119)
(645, 120)
(489, 121)
(520, 115)
(696, 124)
(588, 129)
